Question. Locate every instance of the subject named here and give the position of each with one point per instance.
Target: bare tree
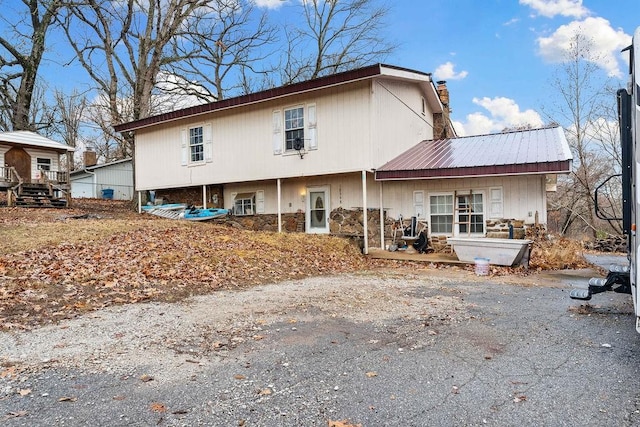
(22, 48)
(334, 36)
(228, 43)
(123, 46)
(582, 97)
(71, 112)
(43, 115)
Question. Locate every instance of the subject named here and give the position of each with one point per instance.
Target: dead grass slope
(56, 264)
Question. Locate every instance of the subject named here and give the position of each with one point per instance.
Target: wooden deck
(441, 258)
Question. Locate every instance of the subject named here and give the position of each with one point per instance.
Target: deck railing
(5, 174)
(56, 177)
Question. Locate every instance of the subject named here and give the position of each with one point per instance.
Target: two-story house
(304, 156)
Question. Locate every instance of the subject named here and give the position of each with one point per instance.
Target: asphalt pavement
(523, 355)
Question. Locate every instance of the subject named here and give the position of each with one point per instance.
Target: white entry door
(318, 209)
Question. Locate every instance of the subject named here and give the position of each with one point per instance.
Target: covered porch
(34, 170)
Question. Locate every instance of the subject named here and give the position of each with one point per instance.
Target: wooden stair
(37, 196)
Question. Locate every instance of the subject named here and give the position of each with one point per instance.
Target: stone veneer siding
(342, 222)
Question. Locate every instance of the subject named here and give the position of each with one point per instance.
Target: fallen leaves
(557, 254)
(158, 407)
(104, 262)
(9, 372)
(343, 423)
(16, 414)
(265, 392)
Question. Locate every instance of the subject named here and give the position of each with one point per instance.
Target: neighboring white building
(34, 170)
(110, 180)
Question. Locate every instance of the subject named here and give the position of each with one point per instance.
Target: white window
(244, 204)
(441, 211)
(43, 164)
(294, 128)
(196, 144)
(300, 127)
(467, 214)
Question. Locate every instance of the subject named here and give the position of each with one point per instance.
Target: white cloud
(551, 8)
(173, 95)
(605, 43)
(446, 72)
(503, 113)
(269, 4)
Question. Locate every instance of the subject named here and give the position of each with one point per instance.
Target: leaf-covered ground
(56, 264)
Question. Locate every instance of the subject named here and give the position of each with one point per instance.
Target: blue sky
(498, 56)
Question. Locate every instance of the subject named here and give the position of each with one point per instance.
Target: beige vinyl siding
(521, 195)
(398, 123)
(346, 192)
(242, 143)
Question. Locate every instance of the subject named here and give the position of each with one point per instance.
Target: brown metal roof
(536, 151)
(321, 82)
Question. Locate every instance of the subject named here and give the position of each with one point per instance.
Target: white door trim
(327, 210)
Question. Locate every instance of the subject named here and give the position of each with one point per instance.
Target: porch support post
(381, 218)
(139, 201)
(365, 249)
(279, 196)
(69, 157)
(204, 197)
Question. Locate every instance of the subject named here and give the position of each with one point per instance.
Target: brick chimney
(443, 93)
(89, 158)
(441, 120)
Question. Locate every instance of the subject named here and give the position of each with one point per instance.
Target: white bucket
(482, 266)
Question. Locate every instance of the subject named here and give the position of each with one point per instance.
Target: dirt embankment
(58, 263)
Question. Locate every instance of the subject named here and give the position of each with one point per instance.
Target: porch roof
(535, 151)
(32, 139)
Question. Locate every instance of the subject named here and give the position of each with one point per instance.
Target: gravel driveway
(427, 348)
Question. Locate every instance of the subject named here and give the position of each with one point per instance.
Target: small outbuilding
(112, 180)
(34, 170)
